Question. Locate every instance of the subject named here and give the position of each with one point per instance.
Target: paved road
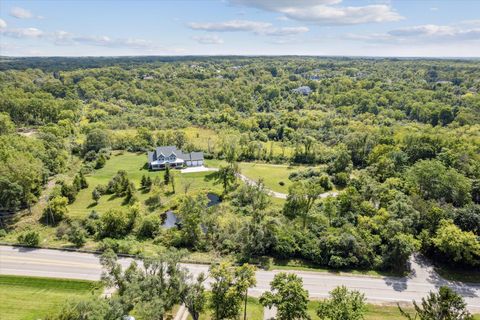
(74, 265)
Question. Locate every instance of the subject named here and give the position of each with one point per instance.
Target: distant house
(305, 90)
(174, 158)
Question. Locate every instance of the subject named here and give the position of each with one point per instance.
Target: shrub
(341, 179)
(149, 226)
(154, 201)
(119, 183)
(55, 211)
(3, 233)
(69, 191)
(101, 161)
(29, 238)
(116, 223)
(77, 235)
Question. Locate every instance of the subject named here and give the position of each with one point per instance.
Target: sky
(402, 28)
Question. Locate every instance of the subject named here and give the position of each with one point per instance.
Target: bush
(3, 233)
(119, 183)
(62, 230)
(149, 226)
(125, 246)
(29, 238)
(77, 235)
(116, 223)
(341, 179)
(55, 211)
(69, 191)
(101, 161)
(154, 201)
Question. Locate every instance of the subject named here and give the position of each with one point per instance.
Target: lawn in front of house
(25, 298)
(134, 165)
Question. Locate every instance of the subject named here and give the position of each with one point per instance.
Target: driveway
(197, 169)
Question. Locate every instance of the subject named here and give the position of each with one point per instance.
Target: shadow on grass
(470, 275)
(113, 197)
(91, 205)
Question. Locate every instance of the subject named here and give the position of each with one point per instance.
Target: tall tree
(288, 296)
(342, 305)
(301, 198)
(228, 289)
(446, 304)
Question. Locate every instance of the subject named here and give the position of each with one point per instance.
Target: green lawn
(374, 311)
(25, 298)
(254, 311)
(272, 174)
(133, 164)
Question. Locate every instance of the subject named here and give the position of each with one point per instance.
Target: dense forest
(398, 139)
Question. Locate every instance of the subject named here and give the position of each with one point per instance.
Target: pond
(213, 199)
(170, 220)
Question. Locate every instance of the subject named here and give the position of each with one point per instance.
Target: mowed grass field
(133, 164)
(375, 311)
(30, 298)
(272, 174)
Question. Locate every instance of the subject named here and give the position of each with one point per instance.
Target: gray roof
(150, 156)
(168, 150)
(196, 156)
(303, 90)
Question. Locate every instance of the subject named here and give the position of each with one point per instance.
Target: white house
(174, 158)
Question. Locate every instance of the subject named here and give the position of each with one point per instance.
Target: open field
(25, 298)
(272, 174)
(374, 311)
(133, 164)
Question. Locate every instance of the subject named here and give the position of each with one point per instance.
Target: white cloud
(232, 25)
(257, 27)
(208, 39)
(3, 24)
(20, 13)
(423, 34)
(326, 12)
(286, 31)
(437, 32)
(277, 5)
(22, 32)
(343, 15)
(106, 41)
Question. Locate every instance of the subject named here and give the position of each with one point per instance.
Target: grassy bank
(25, 298)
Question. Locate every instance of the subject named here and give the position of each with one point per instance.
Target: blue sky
(241, 27)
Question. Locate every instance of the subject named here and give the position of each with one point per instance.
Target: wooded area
(399, 139)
